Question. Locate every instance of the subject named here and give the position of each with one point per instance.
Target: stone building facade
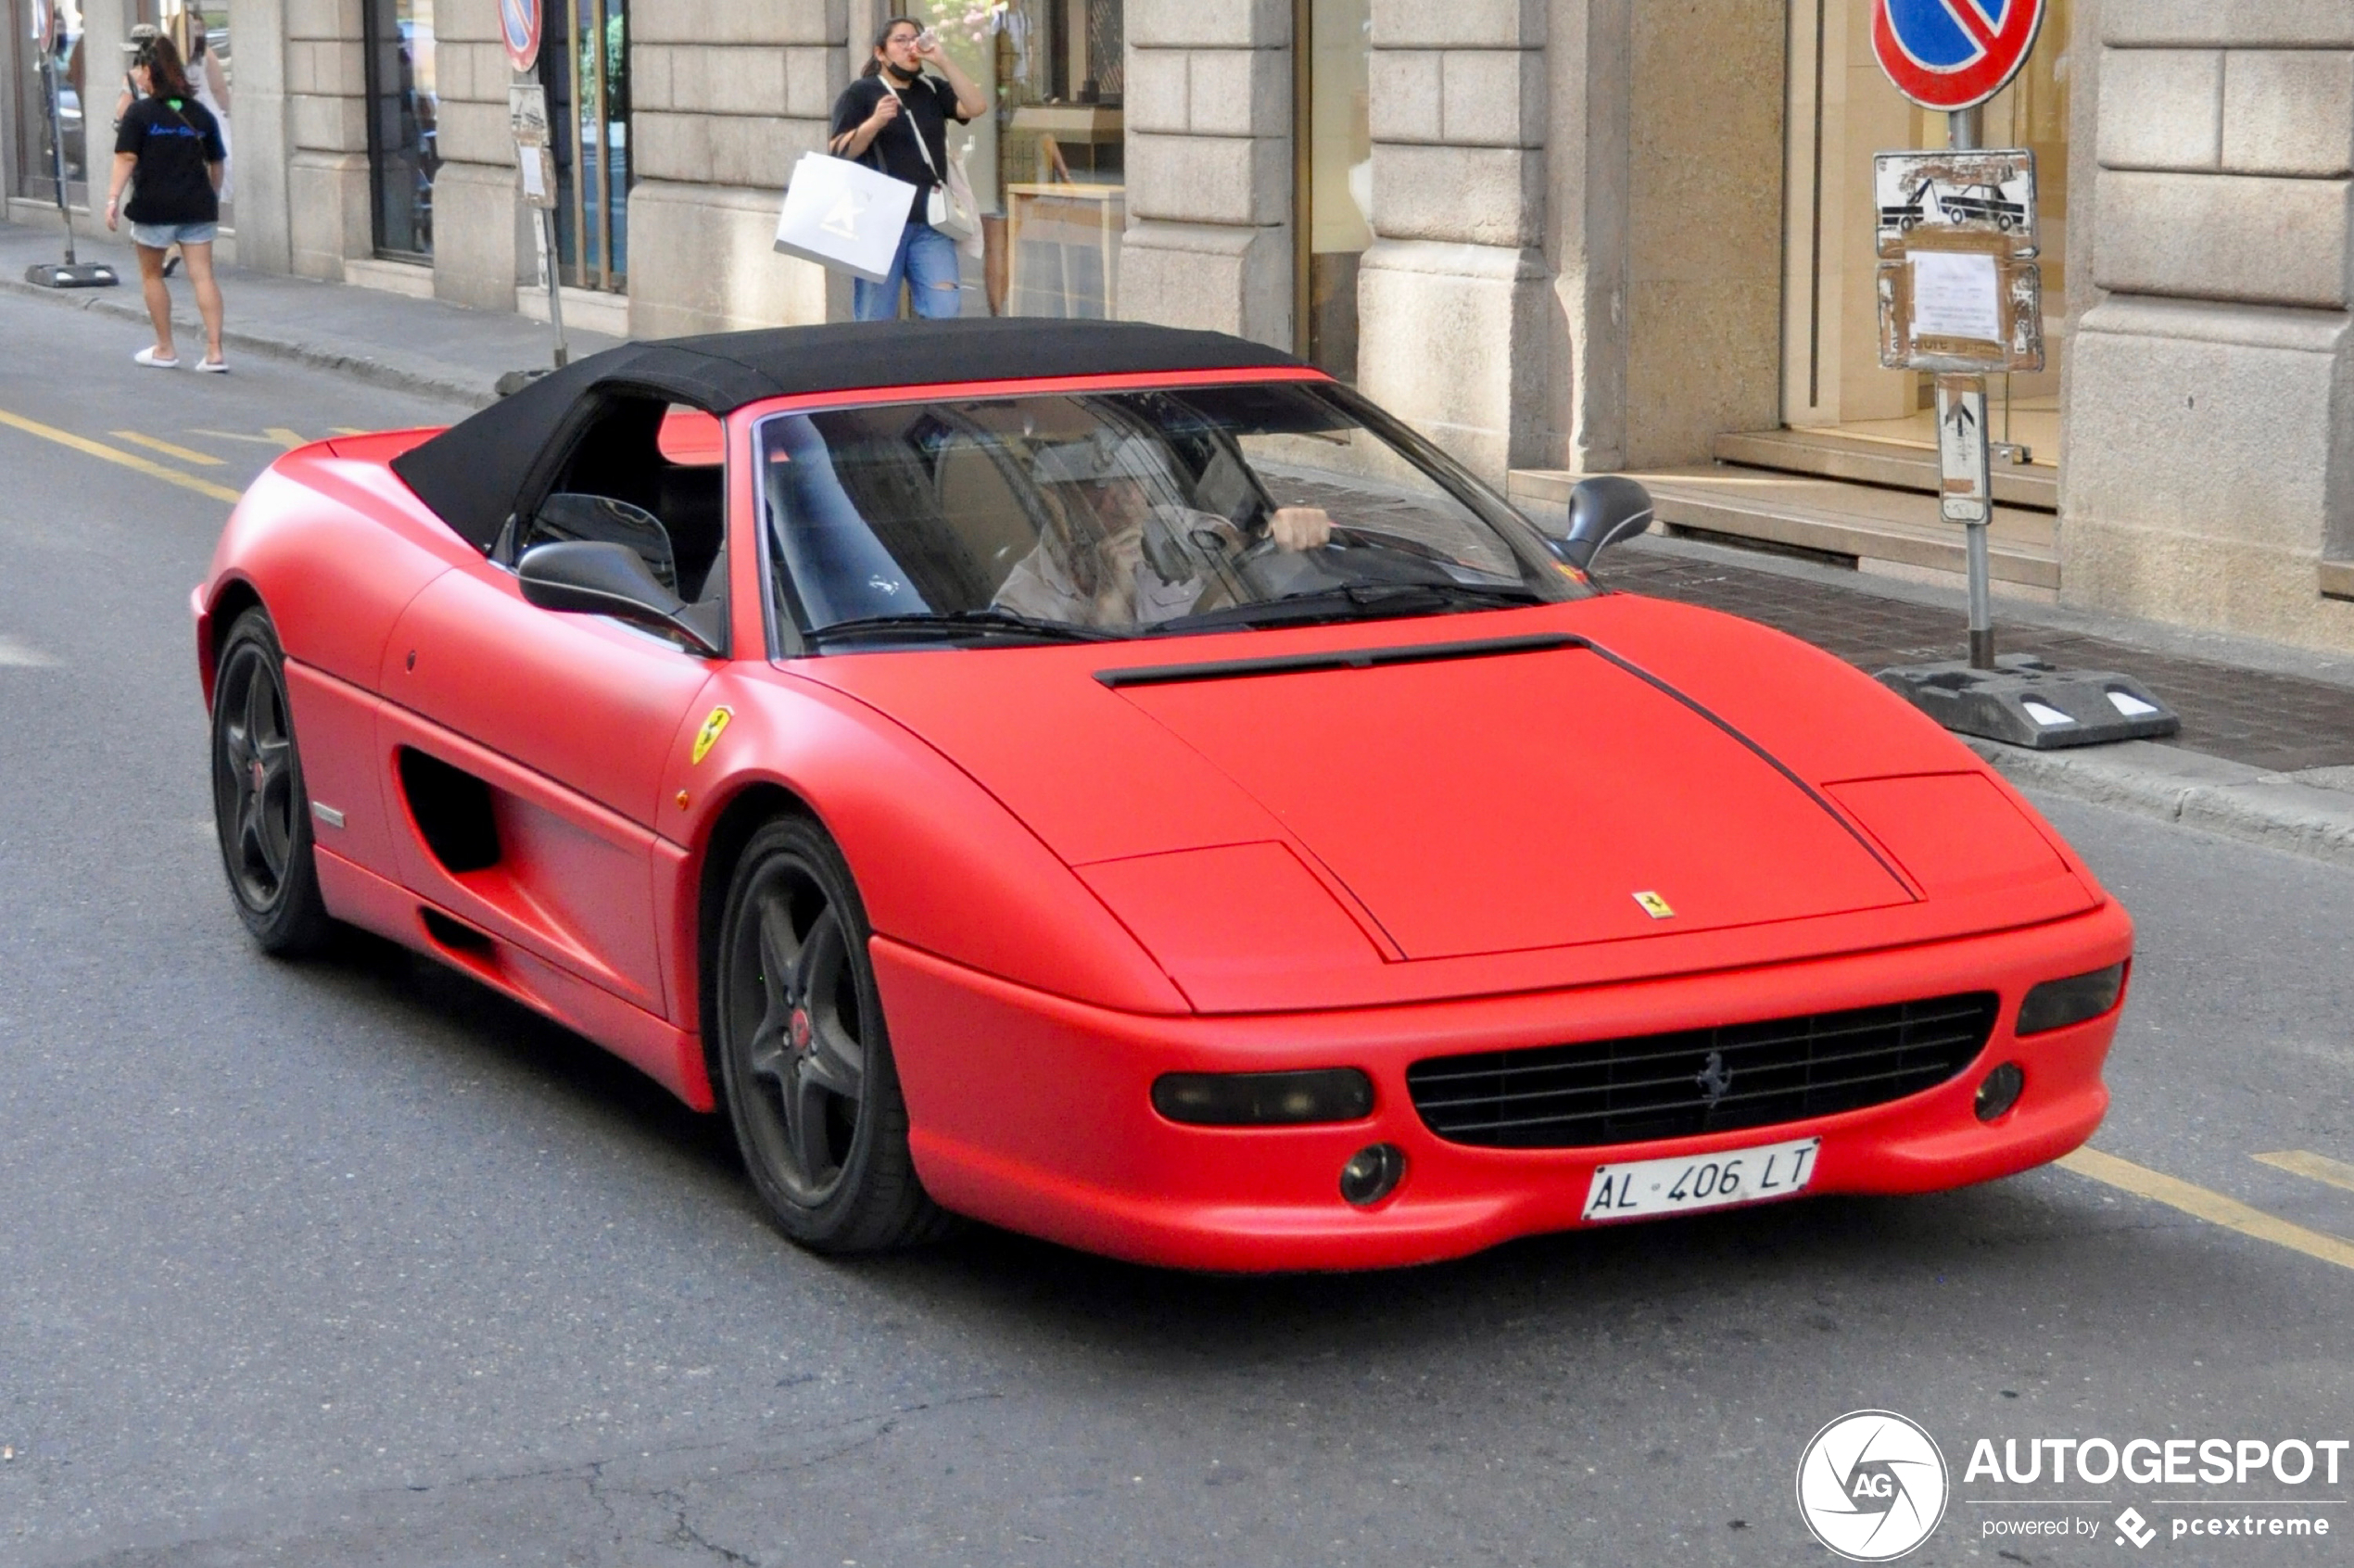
(1588, 235)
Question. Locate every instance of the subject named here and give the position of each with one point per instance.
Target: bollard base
(70, 275)
(2028, 701)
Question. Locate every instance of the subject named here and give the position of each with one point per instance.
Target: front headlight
(2057, 1003)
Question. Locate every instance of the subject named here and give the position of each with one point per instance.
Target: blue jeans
(927, 260)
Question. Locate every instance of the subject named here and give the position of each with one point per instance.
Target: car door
(522, 750)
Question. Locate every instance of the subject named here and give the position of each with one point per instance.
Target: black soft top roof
(472, 473)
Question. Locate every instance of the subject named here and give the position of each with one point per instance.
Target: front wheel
(804, 1056)
(260, 812)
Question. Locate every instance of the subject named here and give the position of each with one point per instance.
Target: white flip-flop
(213, 367)
(154, 360)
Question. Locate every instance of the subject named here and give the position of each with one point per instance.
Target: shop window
(34, 137)
(403, 104)
(1337, 178)
(584, 63)
(1046, 163)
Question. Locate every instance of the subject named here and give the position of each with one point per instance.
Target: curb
(2279, 811)
(127, 306)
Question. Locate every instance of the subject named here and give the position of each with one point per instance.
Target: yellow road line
(2213, 1208)
(348, 430)
(166, 448)
(276, 436)
(2318, 1168)
(115, 454)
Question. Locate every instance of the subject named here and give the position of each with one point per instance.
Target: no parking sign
(1949, 55)
(519, 30)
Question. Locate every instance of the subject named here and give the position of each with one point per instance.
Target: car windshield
(1094, 515)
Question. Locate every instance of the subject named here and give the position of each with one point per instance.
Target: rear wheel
(260, 809)
(804, 1054)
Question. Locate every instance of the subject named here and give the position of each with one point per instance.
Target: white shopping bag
(844, 214)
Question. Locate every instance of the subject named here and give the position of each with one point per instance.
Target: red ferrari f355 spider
(1119, 784)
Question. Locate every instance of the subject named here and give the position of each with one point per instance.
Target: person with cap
(172, 143)
(1125, 550)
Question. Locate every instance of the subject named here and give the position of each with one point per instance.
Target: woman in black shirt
(172, 144)
(877, 119)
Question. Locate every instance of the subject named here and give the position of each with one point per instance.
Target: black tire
(260, 812)
(804, 1056)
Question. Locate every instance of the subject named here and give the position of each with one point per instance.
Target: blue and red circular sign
(519, 29)
(1949, 55)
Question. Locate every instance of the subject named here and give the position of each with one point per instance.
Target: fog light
(1372, 1173)
(1263, 1099)
(2057, 1003)
(2000, 1092)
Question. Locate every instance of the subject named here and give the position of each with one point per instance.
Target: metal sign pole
(1962, 134)
(555, 285)
(74, 273)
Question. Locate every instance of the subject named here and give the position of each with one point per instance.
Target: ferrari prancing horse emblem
(1655, 906)
(708, 736)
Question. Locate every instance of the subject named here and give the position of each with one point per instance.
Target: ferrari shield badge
(1653, 905)
(708, 736)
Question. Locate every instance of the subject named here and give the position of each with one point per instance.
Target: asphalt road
(349, 1262)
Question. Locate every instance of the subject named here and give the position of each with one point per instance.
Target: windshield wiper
(957, 626)
(1356, 601)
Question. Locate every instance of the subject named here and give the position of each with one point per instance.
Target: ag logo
(1872, 1486)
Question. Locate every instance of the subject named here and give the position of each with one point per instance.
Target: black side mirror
(569, 514)
(1603, 510)
(597, 577)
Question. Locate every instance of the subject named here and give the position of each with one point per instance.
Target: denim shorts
(157, 236)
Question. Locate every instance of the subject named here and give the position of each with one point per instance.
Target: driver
(1126, 552)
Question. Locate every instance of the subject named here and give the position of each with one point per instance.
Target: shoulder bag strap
(916, 131)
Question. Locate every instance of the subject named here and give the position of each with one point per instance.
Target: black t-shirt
(174, 139)
(929, 102)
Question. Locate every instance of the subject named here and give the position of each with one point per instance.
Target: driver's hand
(1301, 527)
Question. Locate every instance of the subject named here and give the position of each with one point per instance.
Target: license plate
(1716, 1180)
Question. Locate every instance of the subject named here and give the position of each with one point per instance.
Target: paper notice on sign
(532, 187)
(1957, 295)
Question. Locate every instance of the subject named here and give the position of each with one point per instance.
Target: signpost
(527, 118)
(1961, 297)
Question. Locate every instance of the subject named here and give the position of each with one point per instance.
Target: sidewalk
(2266, 752)
(388, 339)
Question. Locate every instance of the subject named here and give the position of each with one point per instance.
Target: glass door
(1047, 163)
(34, 137)
(1843, 109)
(1332, 169)
(584, 61)
(402, 111)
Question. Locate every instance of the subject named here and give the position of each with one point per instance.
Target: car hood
(1456, 796)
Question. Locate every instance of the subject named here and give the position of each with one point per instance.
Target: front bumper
(1034, 1113)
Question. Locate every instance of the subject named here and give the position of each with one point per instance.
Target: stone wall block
(812, 82)
(759, 153)
(481, 250)
(1468, 195)
(1155, 96)
(1453, 340)
(701, 260)
(769, 22)
(671, 146)
(1238, 92)
(2290, 111)
(1240, 180)
(1493, 97)
(327, 205)
(2224, 237)
(322, 124)
(649, 87)
(1209, 24)
(1407, 95)
(322, 19)
(475, 134)
(1211, 278)
(1459, 24)
(2243, 24)
(2161, 109)
(728, 80)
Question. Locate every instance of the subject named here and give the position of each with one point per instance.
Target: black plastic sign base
(2030, 702)
(71, 274)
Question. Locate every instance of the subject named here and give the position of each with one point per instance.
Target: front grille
(1605, 1092)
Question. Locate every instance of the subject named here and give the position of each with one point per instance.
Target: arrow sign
(1949, 55)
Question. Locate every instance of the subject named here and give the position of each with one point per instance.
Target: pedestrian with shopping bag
(172, 144)
(896, 116)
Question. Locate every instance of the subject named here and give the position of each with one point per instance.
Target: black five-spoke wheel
(260, 809)
(806, 1064)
